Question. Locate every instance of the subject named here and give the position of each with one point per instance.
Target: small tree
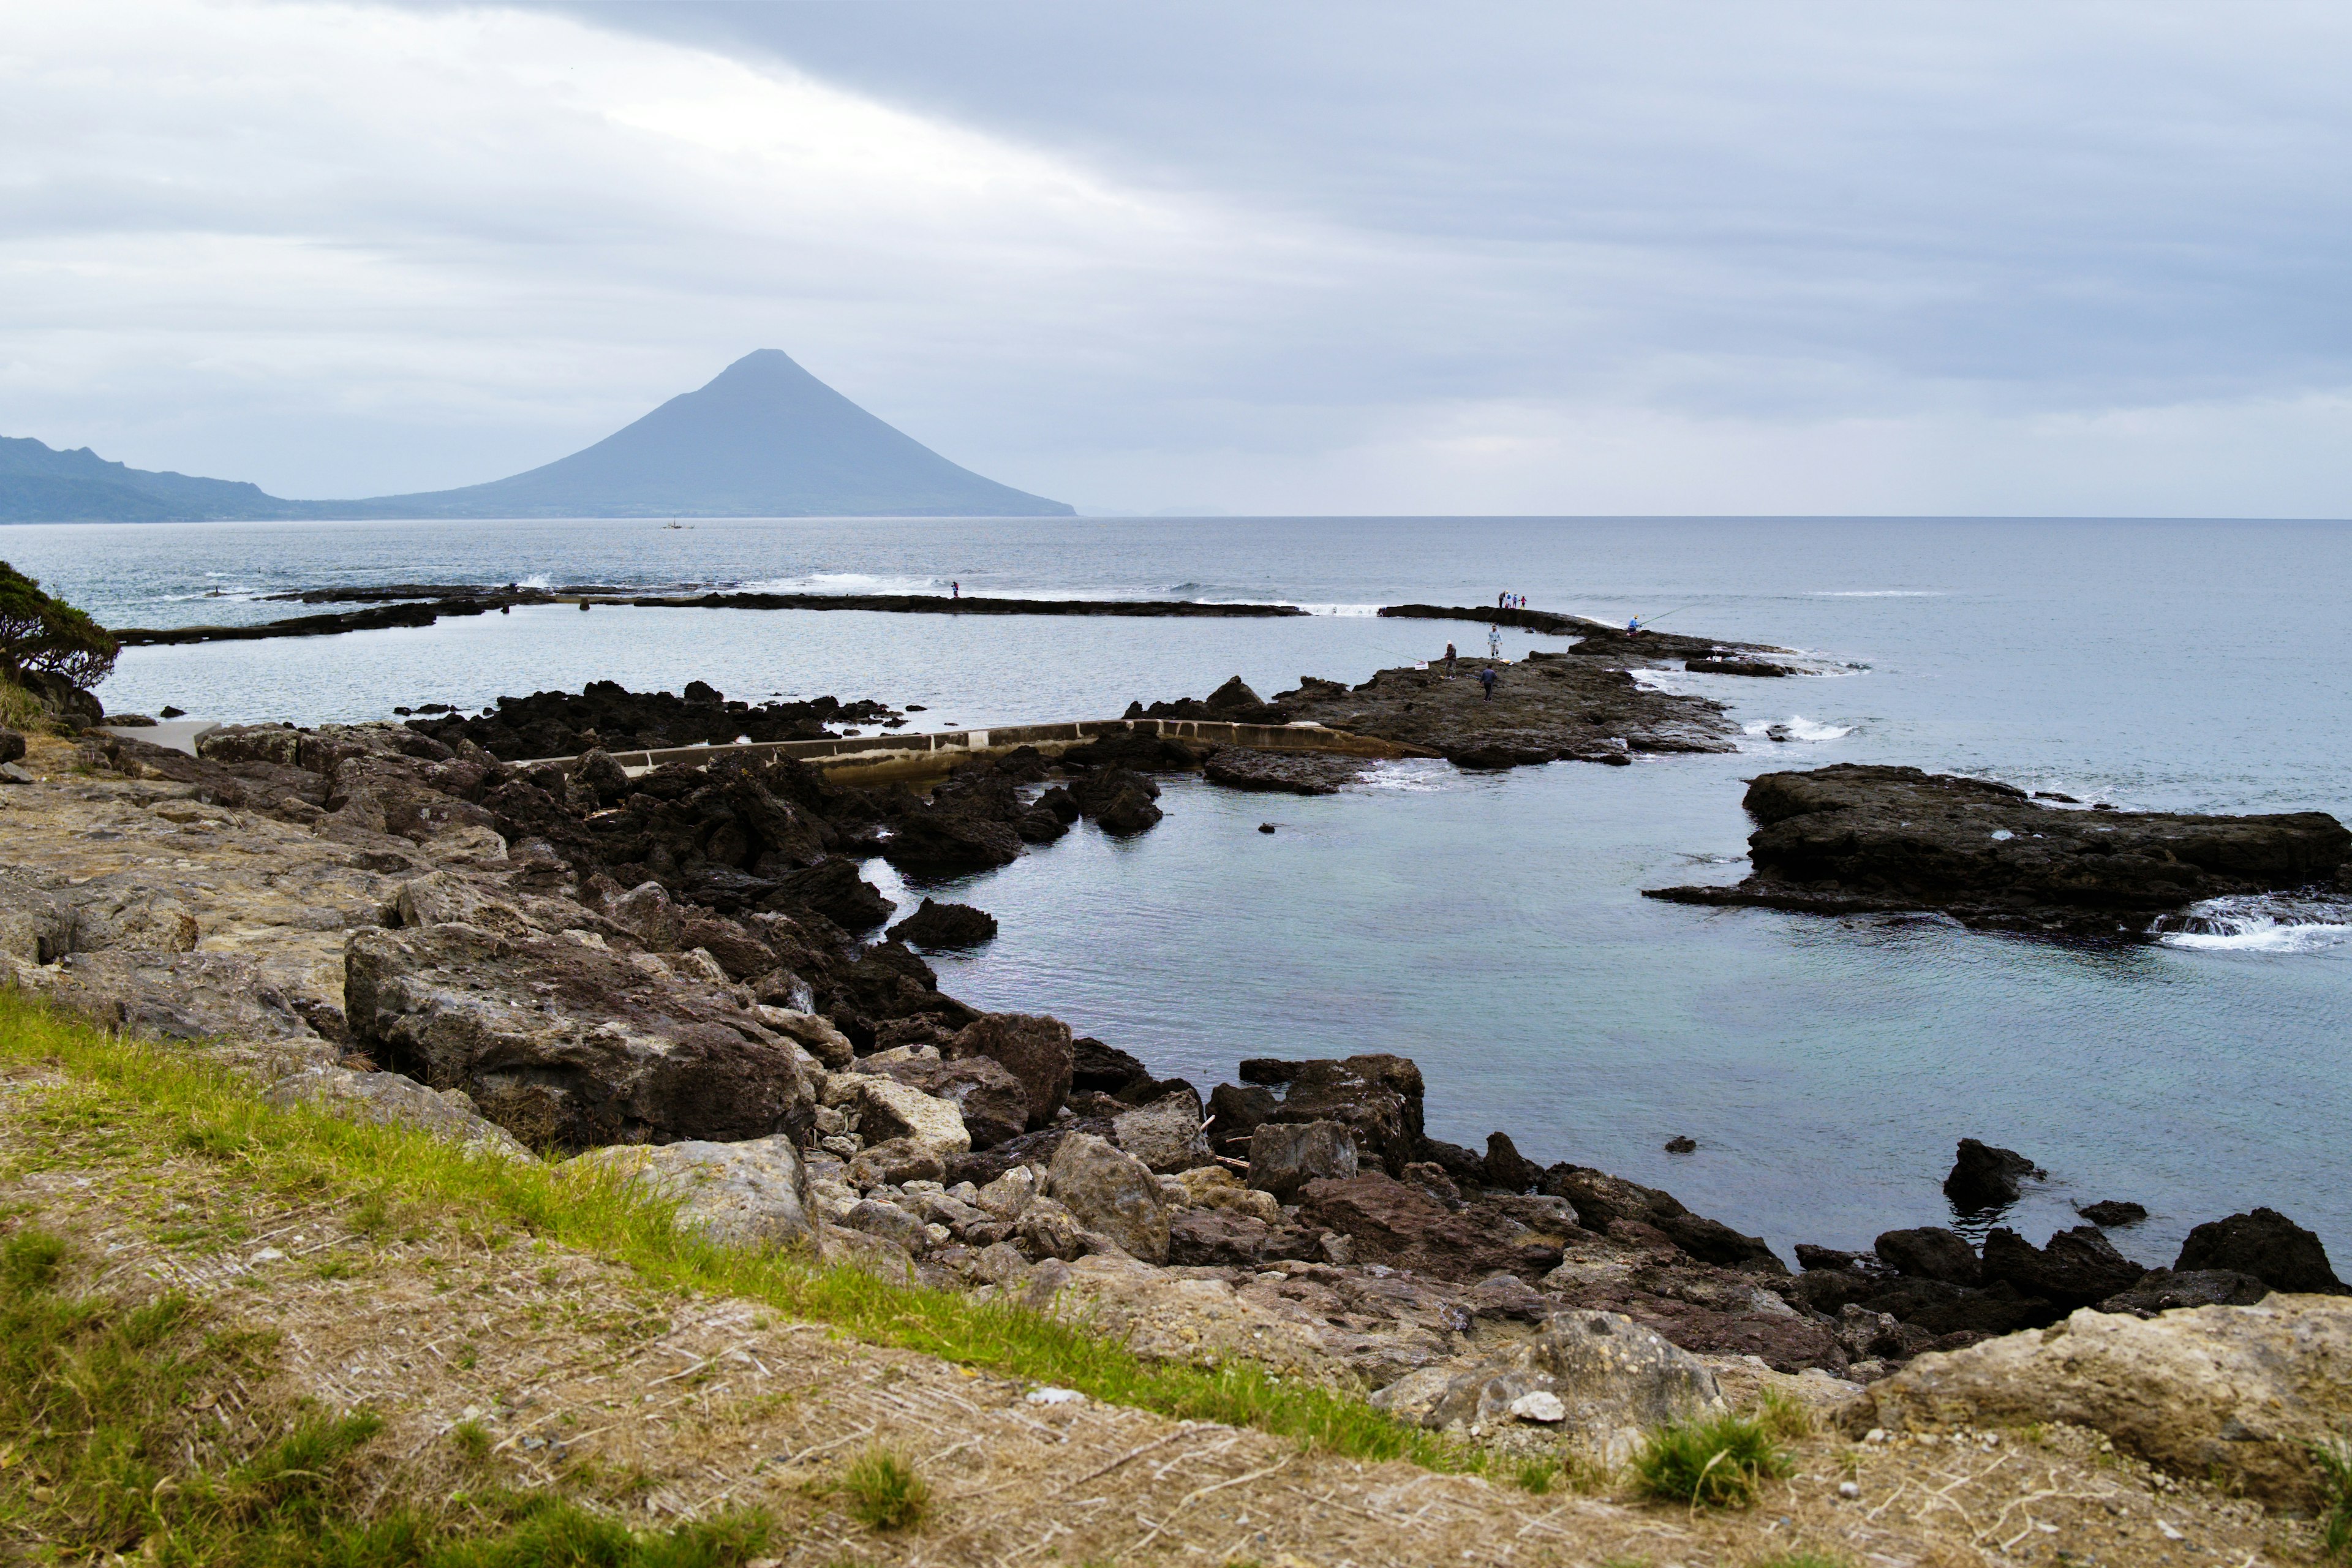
(42, 636)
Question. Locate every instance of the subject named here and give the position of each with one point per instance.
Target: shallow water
(1491, 926)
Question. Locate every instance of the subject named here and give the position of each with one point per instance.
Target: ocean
(1490, 926)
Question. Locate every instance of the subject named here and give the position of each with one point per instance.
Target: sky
(1351, 257)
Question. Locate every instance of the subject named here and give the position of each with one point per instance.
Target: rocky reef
(608, 716)
(1853, 839)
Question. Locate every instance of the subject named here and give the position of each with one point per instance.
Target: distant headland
(764, 439)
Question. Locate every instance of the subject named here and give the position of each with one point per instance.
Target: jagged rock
(1285, 1155)
(889, 1110)
(183, 997)
(750, 1194)
(647, 910)
(1165, 1135)
(388, 1097)
(11, 746)
(894, 1163)
(1104, 1069)
(833, 889)
(1930, 1252)
(946, 925)
(820, 1038)
(1217, 1238)
(2112, 1212)
(889, 1222)
(995, 1104)
(2266, 1244)
(1984, 1177)
(599, 778)
(1009, 1196)
(1852, 839)
(1507, 1168)
(566, 1044)
(1125, 810)
(1809, 1257)
(2236, 1395)
(2163, 1290)
(1376, 1096)
(1048, 1228)
(1616, 1380)
(2078, 1267)
(1034, 1049)
(1945, 1309)
(1235, 1112)
(1112, 1193)
(1403, 1228)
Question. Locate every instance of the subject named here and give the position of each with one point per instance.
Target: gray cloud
(1312, 257)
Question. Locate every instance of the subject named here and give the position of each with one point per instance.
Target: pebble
(1849, 1490)
(1054, 1396)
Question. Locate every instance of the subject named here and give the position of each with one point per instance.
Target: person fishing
(1634, 627)
(1486, 679)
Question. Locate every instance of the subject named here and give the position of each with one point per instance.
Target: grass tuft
(884, 1491)
(1802, 1559)
(2334, 1457)
(1784, 1416)
(1717, 1462)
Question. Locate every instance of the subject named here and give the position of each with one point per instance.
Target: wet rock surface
(1853, 839)
(1289, 772)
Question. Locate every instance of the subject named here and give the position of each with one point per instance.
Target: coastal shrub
(40, 634)
(1717, 1462)
(884, 1491)
(2334, 1457)
(136, 1095)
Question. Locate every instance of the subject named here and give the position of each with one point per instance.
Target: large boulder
(567, 1044)
(1929, 1252)
(179, 995)
(390, 1099)
(1165, 1135)
(2266, 1244)
(1403, 1227)
(1285, 1155)
(1112, 1193)
(1616, 1381)
(2236, 1395)
(1984, 1177)
(995, 1104)
(1034, 1049)
(2077, 1268)
(1376, 1096)
(752, 1194)
(888, 1109)
(835, 888)
(946, 925)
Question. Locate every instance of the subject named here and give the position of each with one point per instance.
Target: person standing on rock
(1493, 642)
(1486, 679)
(1449, 661)
(955, 590)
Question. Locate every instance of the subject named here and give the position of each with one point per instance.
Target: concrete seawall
(878, 759)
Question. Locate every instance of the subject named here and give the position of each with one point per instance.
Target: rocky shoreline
(668, 972)
(1850, 839)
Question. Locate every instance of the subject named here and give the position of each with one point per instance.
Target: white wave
(1797, 727)
(1412, 775)
(844, 583)
(536, 580)
(1875, 593)
(2261, 923)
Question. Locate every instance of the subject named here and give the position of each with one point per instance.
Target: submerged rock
(1292, 772)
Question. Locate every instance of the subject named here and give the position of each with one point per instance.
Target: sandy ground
(664, 1407)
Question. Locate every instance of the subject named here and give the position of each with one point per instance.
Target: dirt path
(663, 1408)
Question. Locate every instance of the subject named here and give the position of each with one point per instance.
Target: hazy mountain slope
(40, 484)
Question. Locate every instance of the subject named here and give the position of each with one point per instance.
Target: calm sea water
(1490, 926)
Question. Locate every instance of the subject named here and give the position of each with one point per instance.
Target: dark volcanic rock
(1403, 1228)
(1854, 840)
(2163, 1290)
(11, 746)
(2112, 1212)
(833, 889)
(946, 925)
(1235, 1111)
(1099, 1069)
(608, 715)
(1377, 1098)
(1120, 801)
(567, 1045)
(1506, 1167)
(2266, 1244)
(1984, 1177)
(1930, 1252)
(1296, 772)
(1603, 1201)
(1036, 1050)
(1545, 708)
(2077, 1268)
(1942, 1309)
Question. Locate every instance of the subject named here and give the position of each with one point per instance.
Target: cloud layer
(1312, 257)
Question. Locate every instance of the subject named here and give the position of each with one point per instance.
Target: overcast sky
(1296, 258)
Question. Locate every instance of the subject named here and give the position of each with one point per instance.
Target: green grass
(884, 1491)
(143, 1100)
(18, 710)
(1718, 1462)
(2334, 1457)
(97, 1458)
(1801, 1560)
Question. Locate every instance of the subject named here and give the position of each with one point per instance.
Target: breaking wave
(2257, 922)
(1796, 727)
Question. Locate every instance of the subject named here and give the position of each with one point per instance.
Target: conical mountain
(765, 438)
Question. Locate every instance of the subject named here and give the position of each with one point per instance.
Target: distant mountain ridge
(764, 439)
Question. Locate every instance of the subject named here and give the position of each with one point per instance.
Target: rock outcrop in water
(1853, 839)
(607, 716)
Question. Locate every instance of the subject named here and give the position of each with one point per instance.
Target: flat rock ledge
(1853, 839)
